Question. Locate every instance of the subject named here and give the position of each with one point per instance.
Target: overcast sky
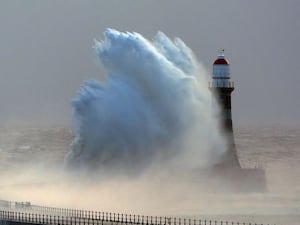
(46, 51)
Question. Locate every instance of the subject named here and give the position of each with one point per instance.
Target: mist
(124, 159)
(46, 53)
(32, 170)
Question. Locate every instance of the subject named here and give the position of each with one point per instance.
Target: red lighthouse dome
(221, 59)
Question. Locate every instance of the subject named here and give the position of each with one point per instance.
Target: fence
(221, 84)
(34, 214)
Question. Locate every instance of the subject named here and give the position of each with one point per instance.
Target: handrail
(35, 214)
(221, 84)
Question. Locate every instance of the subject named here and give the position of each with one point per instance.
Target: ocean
(28, 154)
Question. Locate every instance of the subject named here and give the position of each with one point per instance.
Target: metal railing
(221, 84)
(35, 214)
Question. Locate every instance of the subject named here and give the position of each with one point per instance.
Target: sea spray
(153, 108)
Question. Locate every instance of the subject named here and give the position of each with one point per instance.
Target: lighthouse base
(236, 180)
(241, 179)
(233, 177)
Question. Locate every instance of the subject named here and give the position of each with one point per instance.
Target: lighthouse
(222, 86)
(228, 168)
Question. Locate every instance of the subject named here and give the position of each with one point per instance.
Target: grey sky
(46, 51)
